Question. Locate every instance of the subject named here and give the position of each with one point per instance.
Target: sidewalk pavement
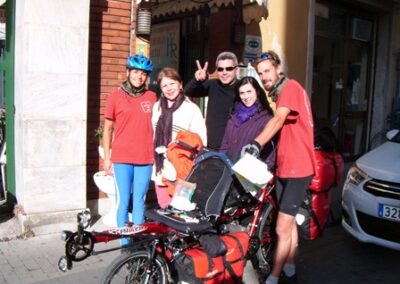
(33, 259)
(336, 257)
(26, 259)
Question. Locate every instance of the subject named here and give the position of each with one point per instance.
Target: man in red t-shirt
(295, 156)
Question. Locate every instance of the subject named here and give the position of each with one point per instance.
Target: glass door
(341, 74)
(355, 100)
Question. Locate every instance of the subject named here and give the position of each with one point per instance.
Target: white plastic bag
(183, 194)
(252, 173)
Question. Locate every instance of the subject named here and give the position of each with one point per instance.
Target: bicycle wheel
(131, 268)
(267, 236)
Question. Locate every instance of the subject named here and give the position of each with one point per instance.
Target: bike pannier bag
(328, 171)
(315, 209)
(237, 244)
(195, 266)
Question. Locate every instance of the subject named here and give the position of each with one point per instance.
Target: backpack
(182, 153)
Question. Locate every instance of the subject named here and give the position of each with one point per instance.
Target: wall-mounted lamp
(143, 22)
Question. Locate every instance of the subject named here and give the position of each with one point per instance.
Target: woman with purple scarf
(249, 115)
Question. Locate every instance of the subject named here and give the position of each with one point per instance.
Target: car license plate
(389, 212)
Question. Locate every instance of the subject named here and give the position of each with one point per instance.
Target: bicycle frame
(80, 245)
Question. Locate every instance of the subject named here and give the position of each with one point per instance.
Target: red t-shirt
(295, 149)
(133, 131)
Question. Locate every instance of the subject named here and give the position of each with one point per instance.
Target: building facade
(60, 60)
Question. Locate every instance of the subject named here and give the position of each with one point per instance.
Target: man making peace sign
(220, 92)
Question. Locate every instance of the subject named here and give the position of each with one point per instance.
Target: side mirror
(392, 133)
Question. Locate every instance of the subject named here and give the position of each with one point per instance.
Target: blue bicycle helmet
(140, 62)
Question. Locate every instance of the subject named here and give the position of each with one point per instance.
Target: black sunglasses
(229, 69)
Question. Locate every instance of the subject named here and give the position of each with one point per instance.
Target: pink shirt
(133, 131)
(295, 149)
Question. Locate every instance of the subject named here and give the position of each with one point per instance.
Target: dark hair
(261, 95)
(169, 73)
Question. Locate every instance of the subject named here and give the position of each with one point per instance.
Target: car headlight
(356, 175)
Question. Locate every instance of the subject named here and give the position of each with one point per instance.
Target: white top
(187, 117)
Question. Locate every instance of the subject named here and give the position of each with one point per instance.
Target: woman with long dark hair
(249, 115)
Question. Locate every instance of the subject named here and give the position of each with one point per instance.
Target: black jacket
(220, 102)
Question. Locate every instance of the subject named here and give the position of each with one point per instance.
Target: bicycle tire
(131, 268)
(266, 229)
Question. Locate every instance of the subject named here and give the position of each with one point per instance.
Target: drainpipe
(132, 27)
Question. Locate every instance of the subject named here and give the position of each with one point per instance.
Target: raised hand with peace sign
(201, 72)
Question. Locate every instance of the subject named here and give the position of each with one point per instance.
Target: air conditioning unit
(361, 29)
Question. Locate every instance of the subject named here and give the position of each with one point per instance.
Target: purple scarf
(244, 113)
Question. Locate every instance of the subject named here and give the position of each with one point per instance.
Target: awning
(251, 11)
(181, 6)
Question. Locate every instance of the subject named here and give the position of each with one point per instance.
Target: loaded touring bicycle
(211, 244)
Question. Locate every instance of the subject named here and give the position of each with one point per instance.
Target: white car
(371, 195)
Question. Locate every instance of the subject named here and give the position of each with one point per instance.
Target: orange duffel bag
(196, 267)
(237, 244)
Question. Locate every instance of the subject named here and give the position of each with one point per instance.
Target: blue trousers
(131, 180)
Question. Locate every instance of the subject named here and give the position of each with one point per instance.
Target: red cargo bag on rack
(195, 266)
(316, 206)
(237, 244)
(315, 209)
(328, 170)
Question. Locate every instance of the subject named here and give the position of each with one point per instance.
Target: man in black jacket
(220, 92)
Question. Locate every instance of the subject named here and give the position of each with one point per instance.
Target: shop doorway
(341, 76)
(7, 162)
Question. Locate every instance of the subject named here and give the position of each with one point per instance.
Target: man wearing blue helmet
(129, 132)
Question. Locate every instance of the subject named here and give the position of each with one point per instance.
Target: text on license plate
(389, 212)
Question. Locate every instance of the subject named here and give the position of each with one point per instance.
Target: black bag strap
(229, 266)
(316, 221)
(193, 150)
(232, 273)
(308, 206)
(336, 169)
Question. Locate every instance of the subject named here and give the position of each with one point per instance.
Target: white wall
(51, 63)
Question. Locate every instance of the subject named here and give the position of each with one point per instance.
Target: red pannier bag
(195, 266)
(315, 209)
(328, 170)
(316, 205)
(237, 244)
